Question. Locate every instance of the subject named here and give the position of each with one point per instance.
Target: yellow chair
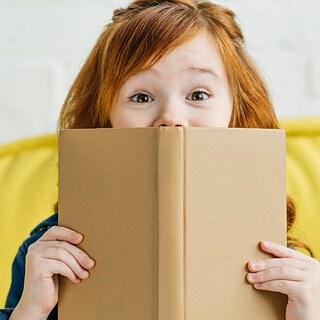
(28, 191)
(303, 177)
(28, 188)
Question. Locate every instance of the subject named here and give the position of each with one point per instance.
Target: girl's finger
(62, 233)
(60, 254)
(260, 265)
(281, 251)
(82, 258)
(283, 286)
(277, 273)
(58, 267)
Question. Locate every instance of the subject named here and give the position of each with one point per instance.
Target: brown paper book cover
(171, 216)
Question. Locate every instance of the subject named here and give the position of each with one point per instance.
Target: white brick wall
(43, 44)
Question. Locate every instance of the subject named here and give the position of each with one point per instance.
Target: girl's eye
(195, 96)
(141, 98)
(199, 95)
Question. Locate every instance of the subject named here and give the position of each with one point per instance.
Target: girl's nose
(171, 121)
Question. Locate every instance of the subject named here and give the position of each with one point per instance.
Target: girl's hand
(54, 253)
(292, 273)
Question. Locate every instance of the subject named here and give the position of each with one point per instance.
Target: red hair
(140, 35)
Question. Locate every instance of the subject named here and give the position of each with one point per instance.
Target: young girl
(172, 63)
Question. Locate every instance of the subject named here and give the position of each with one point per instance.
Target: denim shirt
(18, 269)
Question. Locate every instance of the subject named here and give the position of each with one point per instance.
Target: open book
(171, 216)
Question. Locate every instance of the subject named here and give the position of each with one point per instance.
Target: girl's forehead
(199, 54)
(201, 43)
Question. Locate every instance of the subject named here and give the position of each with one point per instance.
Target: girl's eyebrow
(199, 70)
(208, 71)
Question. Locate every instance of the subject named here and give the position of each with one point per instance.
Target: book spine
(169, 180)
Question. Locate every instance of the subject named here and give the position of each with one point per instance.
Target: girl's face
(187, 87)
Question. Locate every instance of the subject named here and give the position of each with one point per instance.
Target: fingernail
(90, 263)
(85, 273)
(77, 236)
(254, 264)
(252, 276)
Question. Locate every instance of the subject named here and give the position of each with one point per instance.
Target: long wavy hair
(138, 37)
